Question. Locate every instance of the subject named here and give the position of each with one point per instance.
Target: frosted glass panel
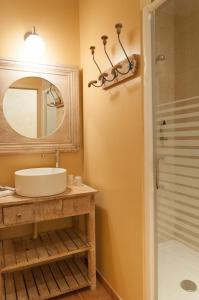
(176, 144)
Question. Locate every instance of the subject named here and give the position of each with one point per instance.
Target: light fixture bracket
(34, 43)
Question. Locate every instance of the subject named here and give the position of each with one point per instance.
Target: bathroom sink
(39, 182)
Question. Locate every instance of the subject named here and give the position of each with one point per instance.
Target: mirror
(39, 107)
(33, 107)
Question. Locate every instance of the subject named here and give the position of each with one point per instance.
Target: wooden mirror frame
(66, 137)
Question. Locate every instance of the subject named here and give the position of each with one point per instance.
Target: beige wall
(113, 121)
(56, 21)
(58, 24)
(113, 145)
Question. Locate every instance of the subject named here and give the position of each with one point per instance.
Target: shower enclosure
(174, 80)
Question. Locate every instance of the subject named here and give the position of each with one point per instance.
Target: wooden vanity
(48, 264)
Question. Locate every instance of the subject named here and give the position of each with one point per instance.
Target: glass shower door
(176, 147)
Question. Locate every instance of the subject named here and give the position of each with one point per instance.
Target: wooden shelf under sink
(51, 264)
(46, 281)
(22, 253)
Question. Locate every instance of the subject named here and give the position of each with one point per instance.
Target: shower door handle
(158, 171)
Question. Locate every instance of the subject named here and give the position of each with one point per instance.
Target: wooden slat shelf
(22, 253)
(46, 281)
(51, 264)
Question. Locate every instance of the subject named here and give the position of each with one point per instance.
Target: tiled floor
(99, 294)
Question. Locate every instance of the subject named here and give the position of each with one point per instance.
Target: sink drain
(188, 285)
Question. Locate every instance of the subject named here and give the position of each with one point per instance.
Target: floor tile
(99, 294)
(86, 294)
(71, 296)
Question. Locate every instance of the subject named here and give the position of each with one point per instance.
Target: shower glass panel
(176, 138)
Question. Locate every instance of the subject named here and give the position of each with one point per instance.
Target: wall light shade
(34, 44)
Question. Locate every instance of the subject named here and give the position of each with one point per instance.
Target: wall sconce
(117, 73)
(34, 44)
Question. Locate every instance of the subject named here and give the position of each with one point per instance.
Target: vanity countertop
(72, 191)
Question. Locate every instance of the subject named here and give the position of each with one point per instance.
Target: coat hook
(114, 71)
(92, 82)
(102, 75)
(92, 48)
(118, 27)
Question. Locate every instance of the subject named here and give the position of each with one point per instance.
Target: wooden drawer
(18, 214)
(76, 206)
(42, 211)
(48, 210)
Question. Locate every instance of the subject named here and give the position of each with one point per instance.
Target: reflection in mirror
(33, 107)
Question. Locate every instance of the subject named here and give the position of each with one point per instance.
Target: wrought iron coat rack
(123, 70)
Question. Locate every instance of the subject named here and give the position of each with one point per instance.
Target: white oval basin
(39, 182)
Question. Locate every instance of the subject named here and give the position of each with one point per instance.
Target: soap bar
(6, 193)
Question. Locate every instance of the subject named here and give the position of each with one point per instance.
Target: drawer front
(18, 214)
(76, 206)
(48, 210)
